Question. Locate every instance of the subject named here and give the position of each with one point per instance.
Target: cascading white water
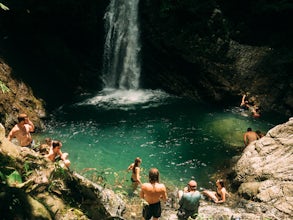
(121, 66)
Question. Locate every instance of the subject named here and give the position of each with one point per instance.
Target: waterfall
(121, 66)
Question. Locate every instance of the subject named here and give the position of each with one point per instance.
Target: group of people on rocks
(22, 133)
(153, 192)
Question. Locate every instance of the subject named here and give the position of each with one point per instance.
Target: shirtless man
(153, 192)
(22, 131)
(55, 151)
(250, 136)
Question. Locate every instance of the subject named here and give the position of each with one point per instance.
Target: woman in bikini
(135, 176)
(218, 196)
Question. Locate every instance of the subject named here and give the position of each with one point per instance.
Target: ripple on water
(104, 134)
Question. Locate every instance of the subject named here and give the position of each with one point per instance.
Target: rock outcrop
(17, 97)
(262, 181)
(264, 173)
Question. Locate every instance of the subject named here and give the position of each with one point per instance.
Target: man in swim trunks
(188, 201)
(22, 131)
(153, 192)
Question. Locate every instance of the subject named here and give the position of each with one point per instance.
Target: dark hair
(21, 117)
(249, 129)
(136, 161)
(221, 182)
(56, 144)
(154, 175)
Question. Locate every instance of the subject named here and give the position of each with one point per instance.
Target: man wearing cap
(188, 201)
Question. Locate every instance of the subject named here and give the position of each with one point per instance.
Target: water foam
(127, 99)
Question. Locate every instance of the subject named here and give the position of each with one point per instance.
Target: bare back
(153, 192)
(250, 136)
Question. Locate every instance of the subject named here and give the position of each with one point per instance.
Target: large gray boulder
(264, 172)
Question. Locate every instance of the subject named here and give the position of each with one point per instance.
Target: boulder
(264, 172)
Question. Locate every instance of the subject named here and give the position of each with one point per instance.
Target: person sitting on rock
(218, 196)
(55, 152)
(188, 201)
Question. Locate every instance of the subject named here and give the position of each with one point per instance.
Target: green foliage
(14, 178)
(3, 87)
(58, 172)
(27, 169)
(5, 8)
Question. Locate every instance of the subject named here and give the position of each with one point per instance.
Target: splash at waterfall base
(262, 177)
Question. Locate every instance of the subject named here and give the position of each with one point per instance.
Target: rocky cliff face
(213, 52)
(17, 97)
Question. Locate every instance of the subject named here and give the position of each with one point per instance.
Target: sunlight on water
(184, 140)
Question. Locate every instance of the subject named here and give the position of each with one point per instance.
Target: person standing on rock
(153, 192)
(249, 136)
(188, 201)
(22, 131)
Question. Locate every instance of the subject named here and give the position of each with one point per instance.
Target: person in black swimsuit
(135, 176)
(218, 196)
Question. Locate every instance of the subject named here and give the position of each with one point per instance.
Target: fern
(3, 87)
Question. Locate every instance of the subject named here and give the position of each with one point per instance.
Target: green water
(181, 138)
